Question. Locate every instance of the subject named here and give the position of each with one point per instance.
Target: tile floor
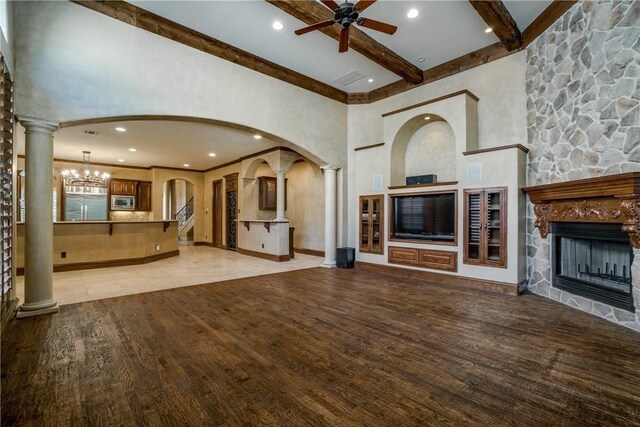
(195, 265)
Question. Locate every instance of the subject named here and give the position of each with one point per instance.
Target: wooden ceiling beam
(158, 25)
(446, 69)
(311, 12)
(498, 18)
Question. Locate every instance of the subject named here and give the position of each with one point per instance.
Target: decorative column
(330, 215)
(38, 257)
(280, 193)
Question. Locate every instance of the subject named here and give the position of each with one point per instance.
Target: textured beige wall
(432, 150)
(305, 205)
(75, 63)
(501, 119)
(88, 242)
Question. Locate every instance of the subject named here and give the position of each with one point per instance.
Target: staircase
(186, 219)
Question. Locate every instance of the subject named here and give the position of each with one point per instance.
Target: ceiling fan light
(277, 25)
(413, 13)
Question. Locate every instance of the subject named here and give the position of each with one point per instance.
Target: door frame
(213, 214)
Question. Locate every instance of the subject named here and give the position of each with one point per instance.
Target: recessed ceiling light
(121, 160)
(257, 136)
(121, 129)
(132, 149)
(370, 80)
(186, 165)
(420, 59)
(413, 13)
(488, 30)
(427, 118)
(277, 25)
(212, 154)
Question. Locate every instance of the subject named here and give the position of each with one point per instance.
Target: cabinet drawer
(438, 260)
(403, 255)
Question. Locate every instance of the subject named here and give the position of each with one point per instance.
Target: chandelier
(87, 176)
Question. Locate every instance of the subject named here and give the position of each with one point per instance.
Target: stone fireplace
(583, 106)
(593, 228)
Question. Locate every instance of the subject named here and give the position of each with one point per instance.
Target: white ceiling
(159, 143)
(444, 30)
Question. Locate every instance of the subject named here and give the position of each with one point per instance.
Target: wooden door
(231, 190)
(216, 214)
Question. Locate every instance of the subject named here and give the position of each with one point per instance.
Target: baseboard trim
(270, 257)
(108, 263)
(9, 309)
(443, 279)
(203, 244)
(313, 252)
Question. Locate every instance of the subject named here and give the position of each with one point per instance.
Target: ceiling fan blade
(363, 4)
(344, 40)
(313, 27)
(330, 4)
(377, 25)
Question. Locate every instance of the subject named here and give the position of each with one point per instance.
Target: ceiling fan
(347, 14)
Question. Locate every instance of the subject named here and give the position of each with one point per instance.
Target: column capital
(36, 124)
(281, 171)
(330, 168)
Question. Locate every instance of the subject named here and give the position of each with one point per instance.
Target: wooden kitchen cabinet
(123, 187)
(143, 196)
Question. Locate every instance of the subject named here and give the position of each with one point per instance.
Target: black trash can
(346, 257)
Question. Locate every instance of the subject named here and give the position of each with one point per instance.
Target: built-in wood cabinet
(123, 187)
(372, 224)
(143, 196)
(427, 258)
(141, 190)
(485, 227)
(268, 193)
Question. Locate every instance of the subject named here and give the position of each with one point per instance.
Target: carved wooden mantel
(611, 199)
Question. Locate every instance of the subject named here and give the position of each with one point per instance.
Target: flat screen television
(429, 217)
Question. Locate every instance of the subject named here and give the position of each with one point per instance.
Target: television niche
(424, 217)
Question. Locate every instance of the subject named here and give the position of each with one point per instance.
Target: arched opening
(424, 145)
(178, 202)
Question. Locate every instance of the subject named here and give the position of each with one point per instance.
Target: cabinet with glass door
(372, 224)
(485, 227)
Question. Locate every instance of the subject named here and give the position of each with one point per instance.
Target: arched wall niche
(451, 128)
(424, 147)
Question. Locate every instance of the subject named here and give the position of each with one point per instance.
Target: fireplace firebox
(594, 261)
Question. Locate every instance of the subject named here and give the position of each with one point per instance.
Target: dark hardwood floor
(320, 347)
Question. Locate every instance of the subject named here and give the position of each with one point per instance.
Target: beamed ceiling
(445, 38)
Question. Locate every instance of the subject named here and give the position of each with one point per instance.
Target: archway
(178, 201)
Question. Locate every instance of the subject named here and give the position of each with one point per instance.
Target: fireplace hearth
(594, 261)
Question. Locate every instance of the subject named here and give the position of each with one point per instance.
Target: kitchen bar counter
(93, 244)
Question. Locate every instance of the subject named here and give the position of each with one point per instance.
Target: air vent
(349, 78)
(91, 132)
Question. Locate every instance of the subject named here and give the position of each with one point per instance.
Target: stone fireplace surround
(607, 199)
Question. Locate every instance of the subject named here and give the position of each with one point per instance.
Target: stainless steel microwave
(123, 203)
